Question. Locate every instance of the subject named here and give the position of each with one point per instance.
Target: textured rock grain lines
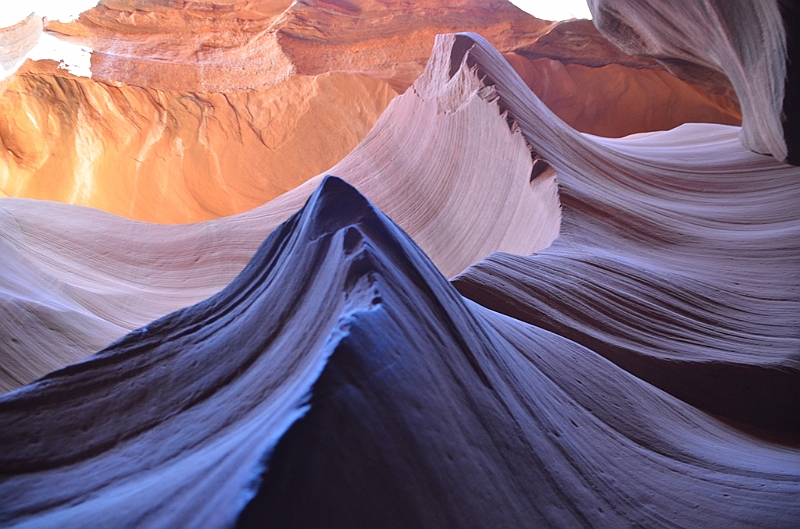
(621, 353)
(413, 164)
(552, 434)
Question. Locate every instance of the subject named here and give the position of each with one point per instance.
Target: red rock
(239, 102)
(641, 370)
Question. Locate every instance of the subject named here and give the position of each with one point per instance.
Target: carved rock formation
(441, 161)
(426, 410)
(242, 101)
(745, 40)
(176, 157)
(594, 87)
(621, 353)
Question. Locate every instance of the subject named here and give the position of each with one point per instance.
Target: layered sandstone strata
(745, 40)
(442, 161)
(620, 353)
(215, 108)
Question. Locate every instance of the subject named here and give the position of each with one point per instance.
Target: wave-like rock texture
(745, 40)
(643, 370)
(678, 259)
(401, 404)
(442, 161)
(241, 102)
(237, 102)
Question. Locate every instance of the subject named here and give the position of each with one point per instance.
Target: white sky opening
(12, 11)
(74, 58)
(554, 9)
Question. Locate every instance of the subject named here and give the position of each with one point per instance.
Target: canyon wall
(213, 109)
(481, 314)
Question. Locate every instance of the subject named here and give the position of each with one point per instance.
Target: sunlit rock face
(212, 46)
(744, 40)
(171, 156)
(596, 88)
(238, 103)
(442, 161)
(243, 101)
(486, 318)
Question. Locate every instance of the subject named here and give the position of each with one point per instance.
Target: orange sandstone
(205, 110)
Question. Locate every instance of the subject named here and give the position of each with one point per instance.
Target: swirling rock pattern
(685, 249)
(240, 102)
(426, 410)
(442, 161)
(746, 40)
(637, 366)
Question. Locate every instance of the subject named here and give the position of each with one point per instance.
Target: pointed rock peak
(337, 190)
(460, 46)
(334, 205)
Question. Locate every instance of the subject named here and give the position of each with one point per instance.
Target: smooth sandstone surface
(213, 109)
(686, 252)
(597, 88)
(618, 345)
(174, 157)
(442, 161)
(744, 40)
(426, 410)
